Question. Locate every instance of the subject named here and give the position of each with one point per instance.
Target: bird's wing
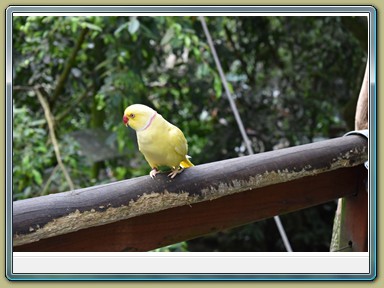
(178, 141)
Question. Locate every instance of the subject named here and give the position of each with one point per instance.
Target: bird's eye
(132, 115)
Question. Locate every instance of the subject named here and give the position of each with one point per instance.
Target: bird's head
(138, 117)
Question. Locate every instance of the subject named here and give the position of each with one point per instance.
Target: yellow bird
(162, 143)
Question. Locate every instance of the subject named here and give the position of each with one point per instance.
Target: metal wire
(239, 121)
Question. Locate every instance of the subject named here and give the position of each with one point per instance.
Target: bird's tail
(186, 163)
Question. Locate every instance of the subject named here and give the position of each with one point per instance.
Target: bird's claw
(175, 172)
(153, 173)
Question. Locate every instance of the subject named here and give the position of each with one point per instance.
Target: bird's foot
(175, 172)
(153, 173)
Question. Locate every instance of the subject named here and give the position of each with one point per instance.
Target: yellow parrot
(162, 143)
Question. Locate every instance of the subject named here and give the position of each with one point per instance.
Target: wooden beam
(150, 231)
(71, 212)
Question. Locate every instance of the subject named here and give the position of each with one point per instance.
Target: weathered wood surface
(150, 231)
(197, 194)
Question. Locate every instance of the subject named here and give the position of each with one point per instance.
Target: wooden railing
(141, 214)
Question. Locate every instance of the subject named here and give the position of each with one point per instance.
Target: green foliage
(34, 168)
(178, 247)
(28, 170)
(291, 78)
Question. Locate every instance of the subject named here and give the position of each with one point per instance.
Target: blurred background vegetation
(295, 81)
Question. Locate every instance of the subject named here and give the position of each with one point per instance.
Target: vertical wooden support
(350, 230)
(356, 216)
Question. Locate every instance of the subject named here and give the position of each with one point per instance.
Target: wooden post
(350, 231)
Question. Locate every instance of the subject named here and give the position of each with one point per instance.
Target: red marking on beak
(125, 120)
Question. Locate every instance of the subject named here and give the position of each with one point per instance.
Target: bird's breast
(156, 145)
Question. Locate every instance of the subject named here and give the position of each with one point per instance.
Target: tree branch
(50, 121)
(68, 66)
(49, 180)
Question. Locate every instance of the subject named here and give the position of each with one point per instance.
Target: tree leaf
(187, 41)
(167, 36)
(133, 25)
(217, 86)
(91, 26)
(121, 28)
(37, 176)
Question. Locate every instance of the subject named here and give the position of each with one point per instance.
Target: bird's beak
(125, 120)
